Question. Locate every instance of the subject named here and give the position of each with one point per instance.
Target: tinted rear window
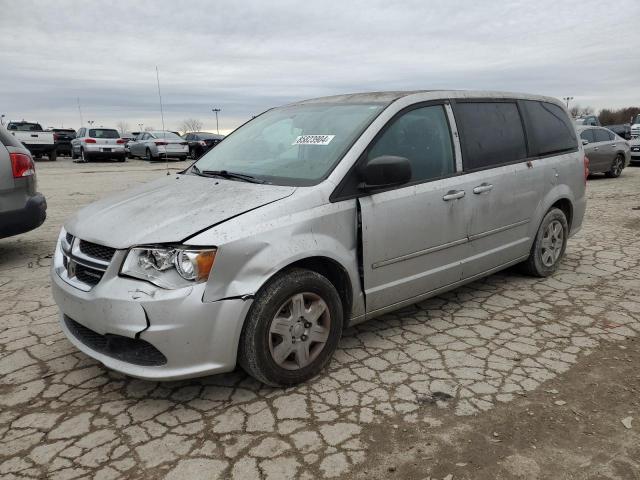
(103, 133)
(9, 140)
(550, 128)
(25, 127)
(491, 134)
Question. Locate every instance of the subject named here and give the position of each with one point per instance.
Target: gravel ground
(508, 377)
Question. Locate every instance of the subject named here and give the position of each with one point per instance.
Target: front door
(414, 236)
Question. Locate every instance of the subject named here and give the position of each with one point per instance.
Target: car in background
(622, 130)
(22, 208)
(635, 126)
(62, 138)
(634, 145)
(201, 142)
(98, 143)
(128, 137)
(588, 120)
(158, 144)
(32, 136)
(607, 152)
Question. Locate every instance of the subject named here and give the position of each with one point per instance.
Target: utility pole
(567, 99)
(216, 110)
(80, 112)
(2, 119)
(140, 125)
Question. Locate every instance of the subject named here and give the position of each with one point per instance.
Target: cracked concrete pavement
(466, 355)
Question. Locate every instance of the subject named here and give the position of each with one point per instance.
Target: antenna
(164, 133)
(80, 112)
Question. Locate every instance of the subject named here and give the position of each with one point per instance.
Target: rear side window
(550, 128)
(9, 140)
(588, 135)
(103, 133)
(601, 135)
(491, 134)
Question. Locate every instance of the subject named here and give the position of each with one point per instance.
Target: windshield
(103, 133)
(296, 145)
(167, 135)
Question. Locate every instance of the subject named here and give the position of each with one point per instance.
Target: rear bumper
(93, 155)
(31, 216)
(36, 148)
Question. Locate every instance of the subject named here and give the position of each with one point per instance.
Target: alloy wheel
(552, 243)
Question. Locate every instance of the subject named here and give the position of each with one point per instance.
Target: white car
(36, 140)
(156, 145)
(95, 143)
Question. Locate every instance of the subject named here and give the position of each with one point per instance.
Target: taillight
(586, 168)
(22, 165)
(121, 140)
(55, 136)
(160, 142)
(203, 143)
(89, 140)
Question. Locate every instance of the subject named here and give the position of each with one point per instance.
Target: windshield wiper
(228, 175)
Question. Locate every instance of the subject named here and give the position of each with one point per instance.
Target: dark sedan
(201, 142)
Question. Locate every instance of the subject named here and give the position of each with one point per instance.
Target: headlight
(170, 267)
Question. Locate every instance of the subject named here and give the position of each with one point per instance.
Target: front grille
(97, 251)
(125, 349)
(88, 275)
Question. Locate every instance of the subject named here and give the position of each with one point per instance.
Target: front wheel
(549, 245)
(148, 157)
(616, 167)
(292, 329)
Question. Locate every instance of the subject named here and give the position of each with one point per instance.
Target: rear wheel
(192, 153)
(549, 245)
(83, 157)
(53, 155)
(292, 329)
(72, 154)
(147, 156)
(616, 167)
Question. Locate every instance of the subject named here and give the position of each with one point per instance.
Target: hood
(169, 210)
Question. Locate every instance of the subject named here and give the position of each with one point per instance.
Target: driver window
(422, 136)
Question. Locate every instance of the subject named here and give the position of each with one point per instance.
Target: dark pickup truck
(62, 138)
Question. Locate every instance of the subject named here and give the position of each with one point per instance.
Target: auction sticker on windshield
(313, 140)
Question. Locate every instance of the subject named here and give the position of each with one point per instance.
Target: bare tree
(149, 128)
(587, 111)
(575, 111)
(191, 125)
(123, 127)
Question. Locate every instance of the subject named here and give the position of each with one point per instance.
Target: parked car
(588, 120)
(634, 146)
(159, 144)
(313, 217)
(201, 142)
(62, 138)
(32, 136)
(623, 130)
(98, 143)
(635, 126)
(22, 208)
(607, 152)
(128, 137)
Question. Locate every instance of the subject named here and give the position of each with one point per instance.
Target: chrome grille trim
(79, 269)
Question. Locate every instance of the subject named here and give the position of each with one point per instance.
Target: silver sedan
(156, 145)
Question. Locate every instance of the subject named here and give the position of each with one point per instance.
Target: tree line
(607, 116)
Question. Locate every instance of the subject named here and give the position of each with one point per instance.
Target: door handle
(484, 187)
(453, 195)
(595, 148)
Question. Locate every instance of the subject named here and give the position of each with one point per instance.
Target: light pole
(216, 110)
(567, 99)
(2, 119)
(91, 122)
(140, 125)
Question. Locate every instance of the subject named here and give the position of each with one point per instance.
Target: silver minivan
(313, 217)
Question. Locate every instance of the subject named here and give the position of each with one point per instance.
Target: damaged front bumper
(148, 332)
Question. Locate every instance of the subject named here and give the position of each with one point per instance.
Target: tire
(261, 335)
(73, 155)
(549, 245)
(53, 155)
(193, 155)
(616, 167)
(83, 158)
(148, 157)
(122, 158)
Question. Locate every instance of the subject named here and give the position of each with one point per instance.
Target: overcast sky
(247, 56)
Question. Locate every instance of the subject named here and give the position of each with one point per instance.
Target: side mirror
(585, 142)
(385, 171)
